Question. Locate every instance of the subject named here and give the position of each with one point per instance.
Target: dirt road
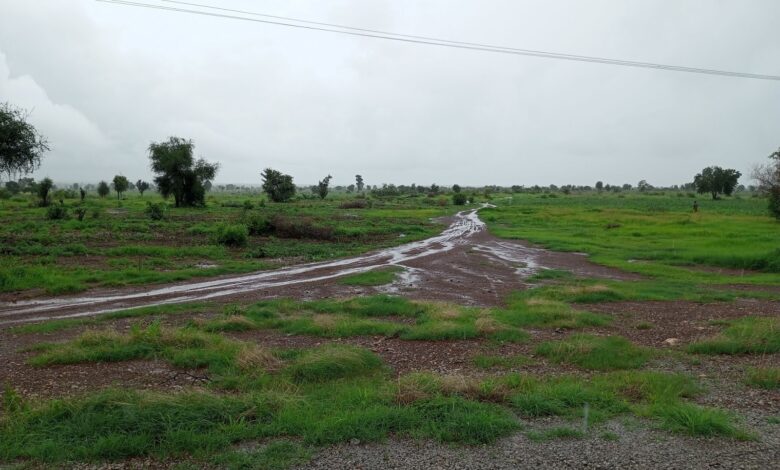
(464, 264)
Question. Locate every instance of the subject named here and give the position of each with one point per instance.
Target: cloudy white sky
(103, 81)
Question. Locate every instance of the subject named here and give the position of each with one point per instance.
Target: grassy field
(118, 244)
(727, 241)
(541, 354)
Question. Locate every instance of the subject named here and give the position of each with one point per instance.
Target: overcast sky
(104, 81)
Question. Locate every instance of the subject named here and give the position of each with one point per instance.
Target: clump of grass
(278, 455)
(595, 352)
(697, 420)
(764, 377)
(504, 362)
(748, 335)
(333, 362)
(378, 277)
(644, 326)
(527, 310)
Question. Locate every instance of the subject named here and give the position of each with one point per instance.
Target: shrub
(248, 205)
(80, 213)
(155, 211)
(232, 235)
(286, 227)
(258, 225)
(354, 204)
(459, 199)
(57, 213)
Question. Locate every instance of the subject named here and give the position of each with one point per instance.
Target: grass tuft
(748, 335)
(595, 352)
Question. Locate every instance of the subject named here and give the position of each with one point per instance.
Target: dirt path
(464, 264)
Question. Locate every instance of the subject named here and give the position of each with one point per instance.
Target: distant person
(695, 206)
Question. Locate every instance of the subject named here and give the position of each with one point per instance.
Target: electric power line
(377, 34)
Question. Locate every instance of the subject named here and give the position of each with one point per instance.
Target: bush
(57, 212)
(258, 225)
(232, 235)
(80, 213)
(155, 211)
(354, 204)
(286, 227)
(459, 199)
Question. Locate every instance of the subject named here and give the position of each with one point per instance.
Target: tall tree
(21, 146)
(715, 180)
(120, 185)
(141, 186)
(322, 187)
(277, 185)
(768, 177)
(43, 191)
(359, 183)
(178, 173)
(103, 189)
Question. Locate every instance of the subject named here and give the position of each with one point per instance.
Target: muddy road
(463, 264)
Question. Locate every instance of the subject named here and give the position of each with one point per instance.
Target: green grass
(748, 335)
(764, 377)
(122, 246)
(533, 309)
(378, 277)
(277, 455)
(655, 236)
(334, 362)
(595, 352)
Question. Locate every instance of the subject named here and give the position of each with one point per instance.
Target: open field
(117, 244)
(660, 349)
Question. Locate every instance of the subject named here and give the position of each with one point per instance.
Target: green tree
(768, 177)
(141, 186)
(43, 189)
(459, 198)
(455, 188)
(103, 189)
(178, 173)
(120, 185)
(359, 183)
(277, 185)
(322, 187)
(599, 186)
(21, 146)
(715, 180)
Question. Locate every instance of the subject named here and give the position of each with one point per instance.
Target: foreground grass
(595, 352)
(748, 335)
(764, 377)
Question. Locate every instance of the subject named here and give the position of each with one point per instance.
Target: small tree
(103, 189)
(120, 185)
(359, 183)
(141, 186)
(599, 186)
(43, 189)
(644, 186)
(459, 198)
(21, 146)
(278, 186)
(455, 188)
(715, 180)
(322, 187)
(83, 195)
(768, 177)
(178, 173)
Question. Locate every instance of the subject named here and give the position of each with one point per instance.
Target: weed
(764, 377)
(748, 335)
(595, 352)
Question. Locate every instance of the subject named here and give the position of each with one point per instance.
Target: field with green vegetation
(117, 243)
(728, 241)
(274, 383)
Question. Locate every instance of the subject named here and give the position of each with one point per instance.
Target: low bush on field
(748, 335)
(232, 235)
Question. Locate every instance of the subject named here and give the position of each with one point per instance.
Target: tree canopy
(120, 185)
(21, 146)
(178, 173)
(277, 185)
(322, 187)
(103, 189)
(715, 180)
